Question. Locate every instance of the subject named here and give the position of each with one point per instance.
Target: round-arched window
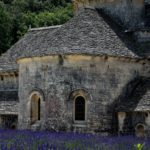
(80, 108)
(140, 130)
(35, 108)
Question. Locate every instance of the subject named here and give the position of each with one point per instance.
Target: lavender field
(29, 140)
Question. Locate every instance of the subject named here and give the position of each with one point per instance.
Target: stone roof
(144, 103)
(86, 33)
(8, 59)
(137, 98)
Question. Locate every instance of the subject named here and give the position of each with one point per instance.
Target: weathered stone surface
(99, 80)
(127, 13)
(88, 67)
(87, 33)
(9, 108)
(9, 96)
(142, 36)
(136, 96)
(87, 29)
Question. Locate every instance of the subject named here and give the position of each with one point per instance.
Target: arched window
(79, 108)
(140, 130)
(35, 108)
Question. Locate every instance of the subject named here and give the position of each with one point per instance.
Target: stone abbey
(91, 74)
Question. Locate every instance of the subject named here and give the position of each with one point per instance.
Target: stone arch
(14, 126)
(80, 92)
(140, 130)
(36, 106)
(80, 99)
(39, 92)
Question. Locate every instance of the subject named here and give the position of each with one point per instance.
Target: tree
(5, 29)
(17, 15)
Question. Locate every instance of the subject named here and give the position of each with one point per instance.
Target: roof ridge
(45, 28)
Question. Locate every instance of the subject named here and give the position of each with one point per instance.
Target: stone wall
(8, 100)
(99, 79)
(9, 108)
(8, 81)
(142, 36)
(9, 95)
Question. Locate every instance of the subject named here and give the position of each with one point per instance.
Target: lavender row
(44, 140)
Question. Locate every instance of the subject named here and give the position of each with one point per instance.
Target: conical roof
(86, 33)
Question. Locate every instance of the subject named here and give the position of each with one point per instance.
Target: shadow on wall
(133, 101)
(9, 121)
(126, 38)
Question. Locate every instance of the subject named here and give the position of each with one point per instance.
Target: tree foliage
(5, 28)
(16, 16)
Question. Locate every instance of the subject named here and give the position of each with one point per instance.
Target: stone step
(36, 126)
(79, 128)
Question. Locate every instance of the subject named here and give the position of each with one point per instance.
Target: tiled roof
(87, 33)
(8, 59)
